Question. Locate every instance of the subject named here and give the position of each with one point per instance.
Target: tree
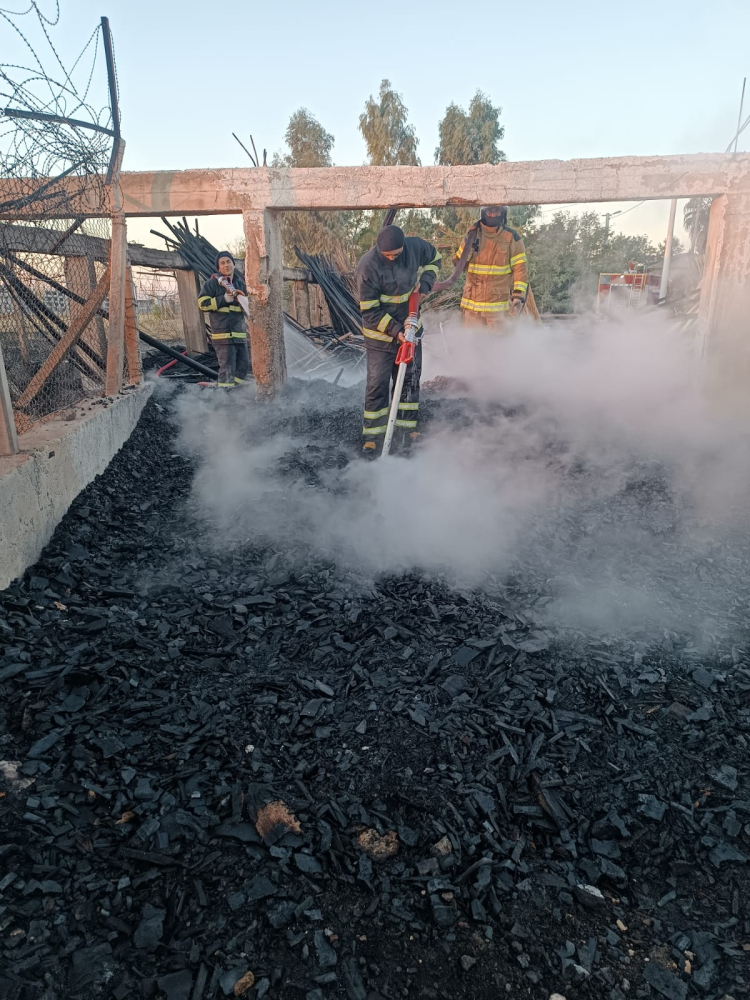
(391, 142)
(472, 137)
(567, 254)
(695, 216)
(309, 143)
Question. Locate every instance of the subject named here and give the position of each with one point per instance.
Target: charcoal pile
(227, 771)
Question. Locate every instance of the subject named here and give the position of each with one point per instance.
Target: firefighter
(227, 321)
(497, 281)
(386, 276)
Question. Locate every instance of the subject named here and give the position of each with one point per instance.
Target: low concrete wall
(57, 460)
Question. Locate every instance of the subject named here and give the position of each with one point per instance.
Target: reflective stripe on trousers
(234, 361)
(381, 376)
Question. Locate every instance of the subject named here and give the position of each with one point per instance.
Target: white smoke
(539, 476)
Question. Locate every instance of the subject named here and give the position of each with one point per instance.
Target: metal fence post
(8, 436)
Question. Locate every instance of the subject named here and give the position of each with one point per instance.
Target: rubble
(558, 826)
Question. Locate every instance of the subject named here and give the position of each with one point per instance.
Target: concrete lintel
(57, 459)
(544, 181)
(227, 190)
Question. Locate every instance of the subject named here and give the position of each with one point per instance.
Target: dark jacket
(384, 287)
(226, 318)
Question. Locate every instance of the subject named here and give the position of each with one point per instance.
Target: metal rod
(257, 158)
(667, 254)
(43, 117)
(77, 223)
(245, 148)
(170, 352)
(113, 102)
(739, 116)
(17, 203)
(8, 437)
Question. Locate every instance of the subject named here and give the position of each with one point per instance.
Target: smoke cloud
(583, 476)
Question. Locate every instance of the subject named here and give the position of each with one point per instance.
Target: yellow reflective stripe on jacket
(207, 304)
(434, 264)
(396, 298)
(221, 336)
(374, 414)
(407, 406)
(460, 250)
(520, 286)
(376, 335)
(485, 306)
(229, 309)
(384, 323)
(488, 269)
(369, 304)
(520, 258)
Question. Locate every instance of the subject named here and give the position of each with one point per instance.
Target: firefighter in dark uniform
(386, 276)
(227, 322)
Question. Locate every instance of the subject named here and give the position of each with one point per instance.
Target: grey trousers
(234, 361)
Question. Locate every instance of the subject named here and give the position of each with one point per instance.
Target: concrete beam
(57, 460)
(226, 190)
(545, 181)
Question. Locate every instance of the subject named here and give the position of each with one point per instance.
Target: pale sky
(575, 79)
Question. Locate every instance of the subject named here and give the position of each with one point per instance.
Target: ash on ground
(468, 723)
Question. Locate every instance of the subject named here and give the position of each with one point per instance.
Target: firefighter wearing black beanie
(227, 321)
(386, 276)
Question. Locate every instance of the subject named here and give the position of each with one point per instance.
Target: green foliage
(695, 216)
(567, 254)
(391, 142)
(309, 143)
(471, 137)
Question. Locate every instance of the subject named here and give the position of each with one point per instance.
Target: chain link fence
(43, 296)
(59, 156)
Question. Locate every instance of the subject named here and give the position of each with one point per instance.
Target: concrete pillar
(264, 278)
(724, 317)
(116, 334)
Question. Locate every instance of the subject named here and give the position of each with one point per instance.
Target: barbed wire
(56, 141)
(32, 148)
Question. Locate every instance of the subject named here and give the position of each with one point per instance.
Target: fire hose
(240, 296)
(404, 358)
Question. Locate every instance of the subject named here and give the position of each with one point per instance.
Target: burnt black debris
(232, 773)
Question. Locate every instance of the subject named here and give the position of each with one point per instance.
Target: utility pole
(607, 217)
(667, 254)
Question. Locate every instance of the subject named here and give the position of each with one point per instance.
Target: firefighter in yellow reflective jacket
(497, 277)
(227, 322)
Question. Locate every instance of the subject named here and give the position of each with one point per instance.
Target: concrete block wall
(57, 460)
